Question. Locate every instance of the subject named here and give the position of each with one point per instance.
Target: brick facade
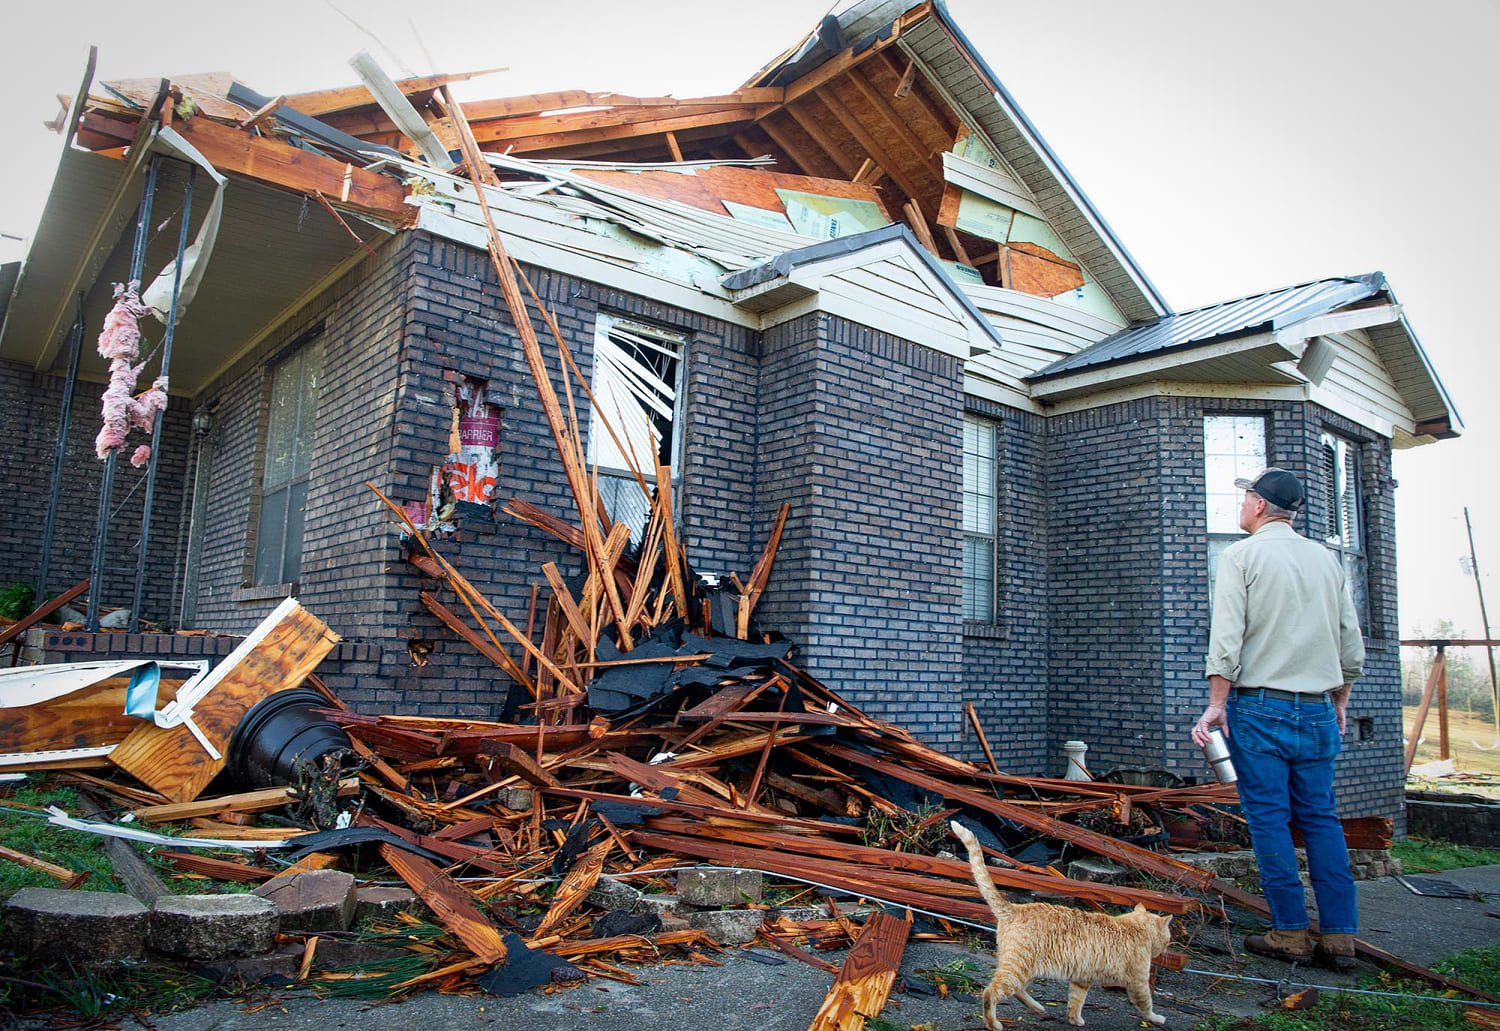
(26, 463)
(1102, 578)
(1005, 669)
(861, 433)
(1130, 601)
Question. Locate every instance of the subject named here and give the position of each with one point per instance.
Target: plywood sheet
(172, 761)
(90, 717)
(753, 187)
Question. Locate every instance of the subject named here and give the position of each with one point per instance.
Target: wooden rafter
(329, 101)
(270, 161)
(612, 126)
(892, 118)
(945, 119)
(872, 146)
(820, 136)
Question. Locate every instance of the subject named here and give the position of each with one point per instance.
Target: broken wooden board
(454, 907)
(864, 981)
(274, 658)
(90, 716)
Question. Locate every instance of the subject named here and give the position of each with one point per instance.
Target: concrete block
(729, 926)
(519, 799)
(212, 926)
(658, 904)
(93, 926)
(613, 895)
(374, 902)
(315, 900)
(719, 888)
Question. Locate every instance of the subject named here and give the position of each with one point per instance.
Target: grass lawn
(1469, 738)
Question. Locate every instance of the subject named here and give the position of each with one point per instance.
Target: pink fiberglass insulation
(120, 342)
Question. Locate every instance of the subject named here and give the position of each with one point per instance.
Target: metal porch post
(107, 485)
(161, 417)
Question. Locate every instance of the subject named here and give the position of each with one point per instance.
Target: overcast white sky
(1233, 148)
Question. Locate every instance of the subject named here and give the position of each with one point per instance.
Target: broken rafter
(454, 907)
(345, 98)
(864, 981)
(274, 163)
(596, 127)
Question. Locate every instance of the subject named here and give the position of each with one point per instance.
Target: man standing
(1284, 649)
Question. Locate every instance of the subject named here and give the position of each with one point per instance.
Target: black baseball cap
(1277, 486)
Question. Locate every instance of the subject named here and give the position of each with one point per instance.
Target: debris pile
(664, 729)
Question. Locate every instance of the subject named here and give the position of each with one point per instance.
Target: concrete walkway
(746, 994)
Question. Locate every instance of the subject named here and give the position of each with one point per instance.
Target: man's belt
(1298, 697)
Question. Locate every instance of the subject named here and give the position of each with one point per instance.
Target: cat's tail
(998, 903)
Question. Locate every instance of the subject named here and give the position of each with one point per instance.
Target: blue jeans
(1283, 752)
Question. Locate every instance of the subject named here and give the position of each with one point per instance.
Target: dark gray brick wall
(1103, 571)
(35, 403)
(1105, 566)
(861, 432)
(1129, 605)
(1006, 675)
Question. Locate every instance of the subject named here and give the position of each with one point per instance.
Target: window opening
(1343, 516)
(637, 393)
(1234, 447)
(292, 418)
(981, 478)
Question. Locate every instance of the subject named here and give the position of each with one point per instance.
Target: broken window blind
(980, 481)
(637, 370)
(289, 441)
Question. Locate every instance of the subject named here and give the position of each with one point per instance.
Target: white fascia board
(1176, 388)
(591, 267)
(1295, 335)
(991, 390)
(1087, 378)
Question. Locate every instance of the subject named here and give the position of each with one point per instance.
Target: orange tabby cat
(1037, 939)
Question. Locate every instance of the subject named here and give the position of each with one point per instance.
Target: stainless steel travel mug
(1217, 754)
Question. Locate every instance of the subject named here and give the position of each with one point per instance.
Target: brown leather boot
(1287, 946)
(1334, 951)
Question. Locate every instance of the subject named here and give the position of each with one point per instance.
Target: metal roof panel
(1258, 313)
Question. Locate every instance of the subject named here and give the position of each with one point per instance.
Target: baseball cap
(1277, 486)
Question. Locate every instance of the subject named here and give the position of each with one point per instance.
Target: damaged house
(860, 286)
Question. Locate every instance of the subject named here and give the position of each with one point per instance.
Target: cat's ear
(1166, 921)
(1140, 907)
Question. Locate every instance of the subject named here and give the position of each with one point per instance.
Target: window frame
(989, 541)
(1344, 517)
(616, 482)
(305, 353)
(1215, 539)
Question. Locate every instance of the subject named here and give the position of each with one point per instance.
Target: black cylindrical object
(276, 734)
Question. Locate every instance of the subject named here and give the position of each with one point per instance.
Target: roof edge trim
(1049, 157)
(781, 266)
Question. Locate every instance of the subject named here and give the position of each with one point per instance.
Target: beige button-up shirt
(1283, 616)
